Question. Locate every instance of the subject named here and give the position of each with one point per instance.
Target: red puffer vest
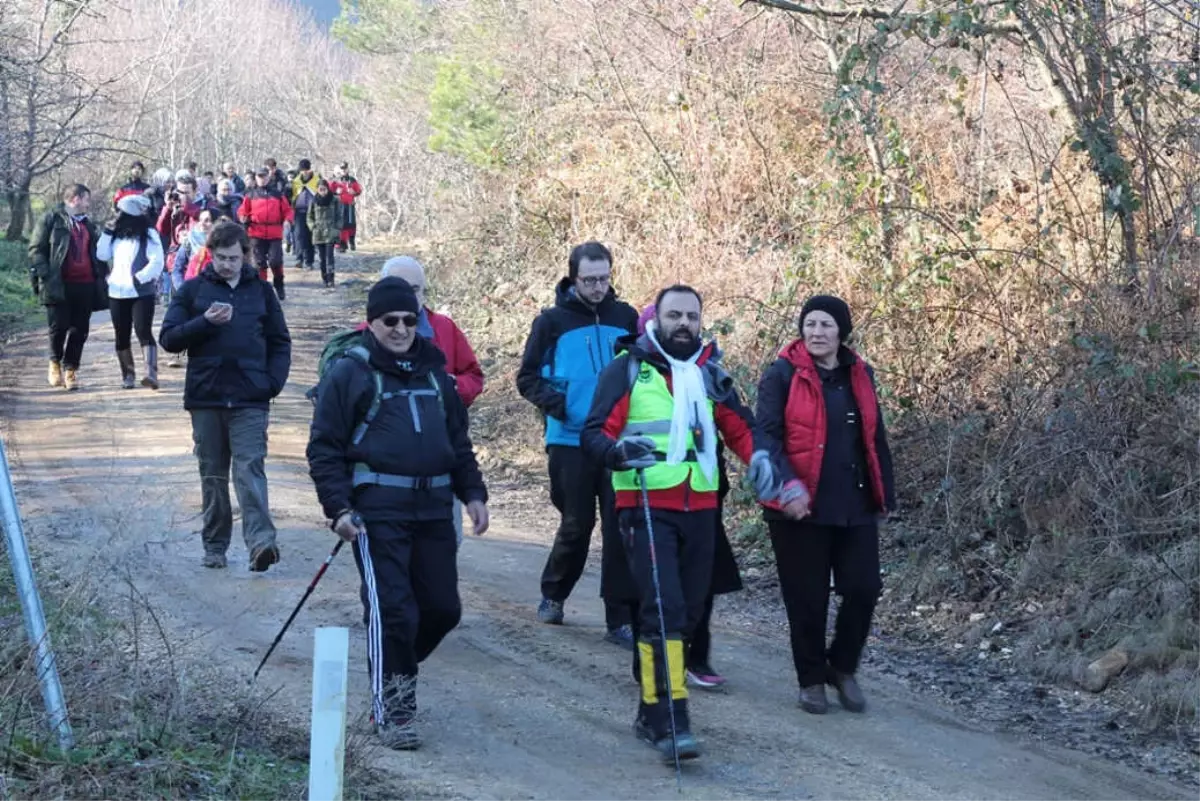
(804, 423)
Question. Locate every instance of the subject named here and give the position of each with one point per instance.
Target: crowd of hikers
(639, 419)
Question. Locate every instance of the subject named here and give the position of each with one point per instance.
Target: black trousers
(268, 254)
(577, 484)
(805, 553)
(69, 323)
(410, 575)
(304, 243)
(325, 251)
(683, 543)
(136, 314)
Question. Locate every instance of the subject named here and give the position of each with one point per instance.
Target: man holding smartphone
(239, 354)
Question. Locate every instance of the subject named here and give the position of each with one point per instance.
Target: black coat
(242, 364)
(392, 443)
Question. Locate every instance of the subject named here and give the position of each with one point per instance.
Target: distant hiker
(206, 184)
(229, 172)
(194, 254)
(567, 348)
(277, 181)
(176, 219)
(135, 256)
(726, 577)
(239, 354)
(263, 212)
(135, 185)
(324, 226)
(461, 363)
(68, 277)
(161, 183)
(304, 191)
(347, 188)
(819, 413)
(658, 410)
(228, 201)
(388, 451)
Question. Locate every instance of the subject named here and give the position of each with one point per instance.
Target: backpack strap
(363, 357)
(633, 368)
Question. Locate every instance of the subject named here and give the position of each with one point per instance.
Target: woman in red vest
(819, 413)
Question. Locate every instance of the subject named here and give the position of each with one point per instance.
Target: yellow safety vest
(651, 407)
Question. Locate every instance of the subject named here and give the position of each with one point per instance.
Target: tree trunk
(18, 203)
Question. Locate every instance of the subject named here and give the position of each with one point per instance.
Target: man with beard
(136, 185)
(567, 348)
(654, 422)
(347, 188)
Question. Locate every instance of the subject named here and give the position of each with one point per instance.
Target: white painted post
(327, 734)
(31, 607)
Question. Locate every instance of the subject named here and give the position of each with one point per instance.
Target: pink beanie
(646, 316)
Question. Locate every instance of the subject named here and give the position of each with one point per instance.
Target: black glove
(35, 282)
(632, 453)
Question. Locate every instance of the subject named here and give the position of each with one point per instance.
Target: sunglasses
(393, 320)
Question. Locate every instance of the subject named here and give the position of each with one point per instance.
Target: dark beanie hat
(835, 308)
(391, 294)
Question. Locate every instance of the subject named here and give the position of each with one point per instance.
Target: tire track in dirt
(512, 709)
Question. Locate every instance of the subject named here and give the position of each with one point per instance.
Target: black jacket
(242, 364)
(843, 493)
(392, 443)
(569, 344)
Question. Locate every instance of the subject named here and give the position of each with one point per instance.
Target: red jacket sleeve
(736, 424)
(355, 188)
(461, 359)
(164, 225)
(243, 212)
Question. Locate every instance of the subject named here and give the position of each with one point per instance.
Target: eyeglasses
(393, 320)
(595, 280)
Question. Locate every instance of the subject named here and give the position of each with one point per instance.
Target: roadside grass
(18, 306)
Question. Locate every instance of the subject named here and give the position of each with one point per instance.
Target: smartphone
(220, 304)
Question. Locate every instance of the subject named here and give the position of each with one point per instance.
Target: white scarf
(691, 409)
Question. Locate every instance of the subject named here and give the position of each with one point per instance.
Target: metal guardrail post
(31, 608)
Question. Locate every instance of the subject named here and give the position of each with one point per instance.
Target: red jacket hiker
(264, 212)
(460, 358)
(795, 423)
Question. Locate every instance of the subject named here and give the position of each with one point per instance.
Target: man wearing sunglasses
(567, 348)
(388, 452)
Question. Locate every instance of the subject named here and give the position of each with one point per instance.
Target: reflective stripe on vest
(651, 407)
(364, 475)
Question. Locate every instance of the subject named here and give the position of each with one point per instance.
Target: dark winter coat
(227, 208)
(824, 428)
(48, 253)
(242, 364)
(567, 348)
(433, 443)
(325, 220)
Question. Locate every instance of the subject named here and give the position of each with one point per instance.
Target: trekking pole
(312, 586)
(662, 626)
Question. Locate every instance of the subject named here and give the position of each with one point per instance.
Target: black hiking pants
(69, 323)
(805, 553)
(325, 252)
(132, 316)
(577, 484)
(304, 243)
(409, 573)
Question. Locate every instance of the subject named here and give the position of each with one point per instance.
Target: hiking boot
(214, 560)
(622, 636)
(128, 373)
(704, 677)
(400, 735)
(54, 376)
(813, 700)
(641, 726)
(550, 612)
(685, 743)
(70, 379)
(150, 363)
(278, 282)
(850, 695)
(263, 557)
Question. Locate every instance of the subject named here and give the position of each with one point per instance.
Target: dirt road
(107, 482)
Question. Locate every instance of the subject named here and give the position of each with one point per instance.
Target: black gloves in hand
(632, 453)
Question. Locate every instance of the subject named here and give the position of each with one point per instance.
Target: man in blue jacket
(239, 354)
(567, 348)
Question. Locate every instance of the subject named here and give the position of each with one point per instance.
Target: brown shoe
(54, 375)
(813, 700)
(850, 695)
(70, 380)
(263, 557)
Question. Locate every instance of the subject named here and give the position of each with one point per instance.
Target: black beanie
(835, 308)
(391, 294)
